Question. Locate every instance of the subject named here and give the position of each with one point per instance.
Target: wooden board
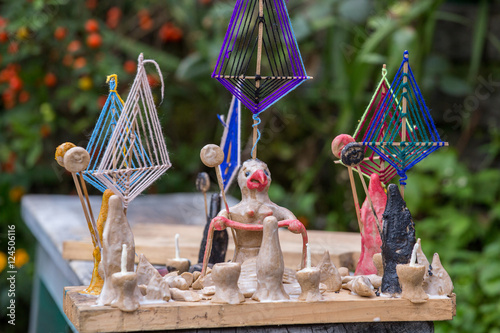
(337, 308)
(156, 241)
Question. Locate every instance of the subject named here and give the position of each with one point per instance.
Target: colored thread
(281, 59)
(387, 125)
(136, 154)
(257, 120)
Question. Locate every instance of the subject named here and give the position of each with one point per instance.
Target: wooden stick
(94, 224)
(205, 198)
(257, 72)
(245, 77)
(93, 232)
(405, 107)
(370, 200)
(417, 144)
(355, 197)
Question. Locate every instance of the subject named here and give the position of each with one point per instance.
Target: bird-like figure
(247, 216)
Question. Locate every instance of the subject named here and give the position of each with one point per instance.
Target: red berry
(16, 83)
(91, 26)
(60, 33)
(129, 66)
(24, 96)
(3, 37)
(50, 80)
(74, 46)
(94, 40)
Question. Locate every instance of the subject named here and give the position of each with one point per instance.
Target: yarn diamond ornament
(260, 61)
(102, 132)
(373, 163)
(136, 154)
(405, 137)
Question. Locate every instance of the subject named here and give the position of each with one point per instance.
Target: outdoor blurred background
(55, 56)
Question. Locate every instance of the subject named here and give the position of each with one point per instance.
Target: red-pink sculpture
(370, 237)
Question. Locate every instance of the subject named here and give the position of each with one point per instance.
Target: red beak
(257, 181)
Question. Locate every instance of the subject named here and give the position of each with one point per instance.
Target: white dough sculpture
(270, 265)
(116, 232)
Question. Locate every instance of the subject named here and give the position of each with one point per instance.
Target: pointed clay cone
(270, 266)
(116, 232)
(157, 289)
(370, 237)
(145, 271)
(225, 276)
(422, 260)
(439, 283)
(398, 239)
(126, 289)
(309, 284)
(329, 275)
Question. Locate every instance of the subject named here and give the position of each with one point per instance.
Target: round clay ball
(202, 182)
(339, 143)
(211, 155)
(353, 154)
(76, 159)
(61, 151)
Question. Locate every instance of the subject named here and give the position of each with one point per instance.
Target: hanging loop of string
(257, 121)
(141, 62)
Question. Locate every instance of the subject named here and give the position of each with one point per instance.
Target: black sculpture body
(220, 240)
(398, 239)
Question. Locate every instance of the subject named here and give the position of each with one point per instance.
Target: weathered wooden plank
(156, 241)
(337, 308)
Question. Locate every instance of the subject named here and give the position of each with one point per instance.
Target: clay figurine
(178, 264)
(225, 276)
(411, 277)
(309, 278)
(438, 282)
(329, 274)
(246, 217)
(361, 286)
(398, 239)
(270, 265)
(125, 285)
(220, 238)
(370, 237)
(116, 232)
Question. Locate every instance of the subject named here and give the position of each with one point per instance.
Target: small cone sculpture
(116, 232)
(270, 265)
(225, 277)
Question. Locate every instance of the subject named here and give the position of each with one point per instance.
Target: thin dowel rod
(243, 77)
(370, 200)
(94, 225)
(405, 107)
(221, 186)
(416, 144)
(355, 197)
(91, 228)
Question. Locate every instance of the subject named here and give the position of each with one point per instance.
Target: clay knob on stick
(61, 151)
(211, 155)
(76, 159)
(340, 142)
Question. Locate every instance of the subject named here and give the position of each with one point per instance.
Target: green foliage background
(453, 195)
